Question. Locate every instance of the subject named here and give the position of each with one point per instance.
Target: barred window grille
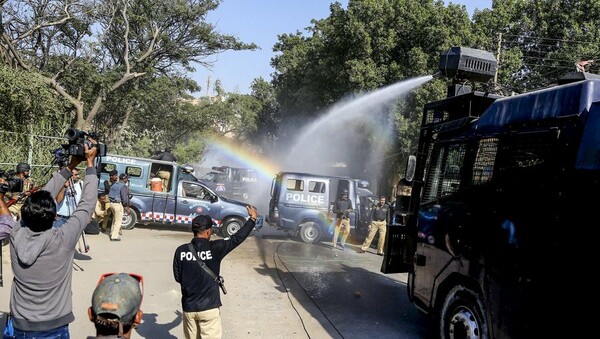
(316, 187)
(483, 168)
(445, 171)
(295, 185)
(529, 150)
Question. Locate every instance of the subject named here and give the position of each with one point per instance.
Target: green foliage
(191, 152)
(26, 101)
(267, 118)
(364, 47)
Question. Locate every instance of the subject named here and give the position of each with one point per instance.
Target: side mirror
(214, 198)
(411, 165)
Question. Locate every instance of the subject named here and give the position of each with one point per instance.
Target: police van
(232, 182)
(166, 192)
(301, 204)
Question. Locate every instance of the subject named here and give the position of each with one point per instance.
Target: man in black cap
(342, 209)
(168, 155)
(116, 302)
(113, 177)
(200, 292)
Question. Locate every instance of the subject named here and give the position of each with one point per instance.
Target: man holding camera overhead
(42, 255)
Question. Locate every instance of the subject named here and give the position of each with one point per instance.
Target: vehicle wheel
(463, 315)
(310, 232)
(129, 220)
(231, 226)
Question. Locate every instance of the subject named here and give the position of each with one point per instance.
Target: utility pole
(498, 59)
(207, 85)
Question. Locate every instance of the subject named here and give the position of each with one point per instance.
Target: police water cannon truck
(502, 191)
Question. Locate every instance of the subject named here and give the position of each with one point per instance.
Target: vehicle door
(438, 217)
(194, 198)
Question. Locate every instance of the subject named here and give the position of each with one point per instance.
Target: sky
(260, 21)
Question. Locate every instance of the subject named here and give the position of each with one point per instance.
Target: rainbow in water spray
(244, 156)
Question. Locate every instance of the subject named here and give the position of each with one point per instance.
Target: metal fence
(36, 150)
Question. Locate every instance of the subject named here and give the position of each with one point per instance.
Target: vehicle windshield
(209, 176)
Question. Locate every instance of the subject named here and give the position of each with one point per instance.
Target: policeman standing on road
(119, 204)
(342, 209)
(200, 291)
(379, 218)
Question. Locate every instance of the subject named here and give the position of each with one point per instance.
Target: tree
(364, 47)
(541, 39)
(268, 118)
(108, 44)
(27, 103)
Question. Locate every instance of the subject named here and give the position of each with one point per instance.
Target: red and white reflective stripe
(180, 219)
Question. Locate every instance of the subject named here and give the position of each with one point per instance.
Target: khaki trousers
(204, 325)
(104, 224)
(117, 211)
(374, 227)
(165, 176)
(15, 209)
(342, 225)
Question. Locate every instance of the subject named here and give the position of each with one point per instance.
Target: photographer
(42, 255)
(200, 292)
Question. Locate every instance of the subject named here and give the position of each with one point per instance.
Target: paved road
(277, 288)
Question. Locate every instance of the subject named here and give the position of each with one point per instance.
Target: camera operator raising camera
(40, 302)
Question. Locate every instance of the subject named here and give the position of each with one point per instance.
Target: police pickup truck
(165, 192)
(232, 182)
(301, 203)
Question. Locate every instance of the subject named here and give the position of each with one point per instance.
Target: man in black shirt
(342, 209)
(200, 292)
(379, 218)
(167, 155)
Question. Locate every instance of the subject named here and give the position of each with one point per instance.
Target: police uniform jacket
(379, 213)
(199, 290)
(341, 208)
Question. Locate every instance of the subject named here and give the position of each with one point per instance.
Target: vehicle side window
(134, 171)
(107, 167)
(445, 171)
(294, 185)
(483, 168)
(221, 177)
(316, 187)
(193, 190)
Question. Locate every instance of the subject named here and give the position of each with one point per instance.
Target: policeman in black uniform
(342, 209)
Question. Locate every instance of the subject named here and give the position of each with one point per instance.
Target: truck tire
(231, 226)
(463, 315)
(129, 220)
(310, 232)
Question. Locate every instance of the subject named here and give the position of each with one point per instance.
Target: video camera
(75, 146)
(11, 185)
(77, 139)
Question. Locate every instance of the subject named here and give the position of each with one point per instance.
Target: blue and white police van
(182, 198)
(301, 204)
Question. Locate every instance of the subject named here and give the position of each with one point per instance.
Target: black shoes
(360, 250)
(116, 239)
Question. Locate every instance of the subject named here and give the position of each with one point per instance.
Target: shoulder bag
(219, 280)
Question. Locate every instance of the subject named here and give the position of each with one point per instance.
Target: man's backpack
(92, 227)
